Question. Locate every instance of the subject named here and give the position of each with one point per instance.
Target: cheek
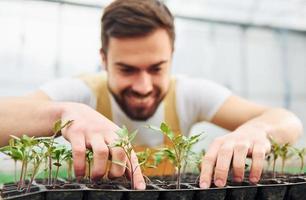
(118, 83)
(162, 83)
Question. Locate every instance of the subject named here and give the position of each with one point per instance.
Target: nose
(143, 84)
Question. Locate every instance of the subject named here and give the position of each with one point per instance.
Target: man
(137, 47)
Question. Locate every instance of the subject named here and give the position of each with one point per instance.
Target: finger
(139, 182)
(240, 153)
(258, 158)
(118, 155)
(223, 163)
(208, 163)
(78, 153)
(100, 155)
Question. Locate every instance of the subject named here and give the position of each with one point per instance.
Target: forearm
(19, 115)
(280, 124)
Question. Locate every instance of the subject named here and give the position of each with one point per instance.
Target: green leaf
(166, 130)
(15, 137)
(154, 128)
(123, 132)
(5, 149)
(132, 136)
(57, 126)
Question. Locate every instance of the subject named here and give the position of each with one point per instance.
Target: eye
(127, 70)
(155, 69)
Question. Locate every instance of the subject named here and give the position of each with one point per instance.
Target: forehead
(140, 50)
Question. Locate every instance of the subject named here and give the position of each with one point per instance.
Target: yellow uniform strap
(98, 84)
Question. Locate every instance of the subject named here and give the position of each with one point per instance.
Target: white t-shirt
(197, 100)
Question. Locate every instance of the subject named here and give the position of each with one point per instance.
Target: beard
(138, 106)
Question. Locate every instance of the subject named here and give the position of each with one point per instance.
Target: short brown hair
(135, 18)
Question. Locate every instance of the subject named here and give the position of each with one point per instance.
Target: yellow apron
(98, 84)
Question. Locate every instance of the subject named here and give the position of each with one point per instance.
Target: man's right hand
(92, 130)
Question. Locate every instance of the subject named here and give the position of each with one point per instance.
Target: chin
(141, 115)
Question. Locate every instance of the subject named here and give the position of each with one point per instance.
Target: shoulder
(201, 97)
(69, 89)
(194, 85)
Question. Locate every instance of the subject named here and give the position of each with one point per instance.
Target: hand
(92, 130)
(235, 147)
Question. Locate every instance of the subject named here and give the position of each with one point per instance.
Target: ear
(103, 58)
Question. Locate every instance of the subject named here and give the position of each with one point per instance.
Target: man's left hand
(248, 140)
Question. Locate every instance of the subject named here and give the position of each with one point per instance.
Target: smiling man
(137, 89)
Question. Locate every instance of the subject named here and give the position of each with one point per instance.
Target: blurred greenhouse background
(257, 48)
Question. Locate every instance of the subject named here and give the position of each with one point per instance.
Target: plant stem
(302, 166)
(89, 171)
(178, 179)
(32, 178)
(25, 172)
(69, 170)
(15, 170)
(21, 175)
(274, 174)
(50, 170)
(132, 174)
(283, 166)
(55, 180)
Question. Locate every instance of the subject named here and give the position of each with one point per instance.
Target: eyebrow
(135, 67)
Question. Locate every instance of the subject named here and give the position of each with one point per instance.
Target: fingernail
(254, 179)
(141, 186)
(204, 185)
(219, 183)
(237, 179)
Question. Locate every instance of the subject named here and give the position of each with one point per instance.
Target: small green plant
(36, 157)
(276, 152)
(49, 144)
(14, 153)
(284, 154)
(24, 144)
(149, 159)
(300, 153)
(58, 155)
(69, 160)
(125, 142)
(31, 150)
(179, 150)
(89, 158)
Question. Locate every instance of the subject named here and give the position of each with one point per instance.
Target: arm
(35, 116)
(250, 124)
(20, 115)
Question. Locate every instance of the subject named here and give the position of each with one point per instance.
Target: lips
(143, 102)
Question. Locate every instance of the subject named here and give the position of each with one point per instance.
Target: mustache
(133, 93)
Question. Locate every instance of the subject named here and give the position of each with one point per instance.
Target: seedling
(276, 152)
(179, 150)
(149, 159)
(59, 155)
(69, 160)
(125, 142)
(284, 154)
(37, 155)
(24, 146)
(49, 144)
(14, 153)
(89, 158)
(300, 153)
